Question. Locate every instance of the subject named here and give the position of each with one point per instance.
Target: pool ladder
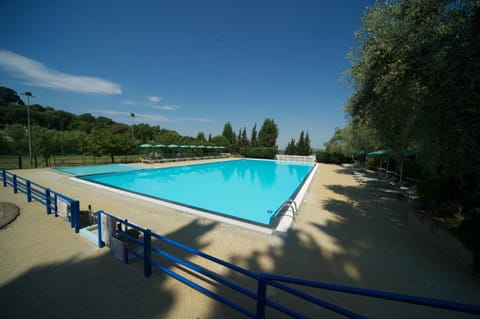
(290, 203)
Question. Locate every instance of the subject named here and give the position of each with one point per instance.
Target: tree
(253, 137)
(303, 147)
(308, 147)
(220, 140)
(44, 143)
(16, 137)
(144, 133)
(94, 143)
(168, 137)
(412, 77)
(201, 137)
(267, 136)
(229, 134)
(9, 96)
(243, 139)
(291, 148)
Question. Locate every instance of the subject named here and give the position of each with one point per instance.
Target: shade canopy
(159, 146)
(146, 146)
(379, 154)
(382, 153)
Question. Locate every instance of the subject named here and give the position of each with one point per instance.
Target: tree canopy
(268, 134)
(415, 78)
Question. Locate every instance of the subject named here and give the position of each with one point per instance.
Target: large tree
(229, 134)
(291, 148)
(416, 78)
(253, 136)
(267, 136)
(9, 96)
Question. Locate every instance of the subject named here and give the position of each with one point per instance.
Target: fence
(149, 252)
(296, 158)
(10, 162)
(57, 203)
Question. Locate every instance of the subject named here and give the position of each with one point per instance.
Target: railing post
(76, 215)
(55, 205)
(15, 189)
(99, 229)
(4, 177)
(48, 201)
(29, 191)
(261, 297)
(147, 253)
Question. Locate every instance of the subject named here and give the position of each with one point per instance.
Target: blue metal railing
(45, 196)
(262, 281)
(275, 281)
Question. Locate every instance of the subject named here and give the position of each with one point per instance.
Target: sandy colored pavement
(343, 234)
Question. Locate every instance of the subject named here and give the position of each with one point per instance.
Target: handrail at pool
(156, 251)
(263, 281)
(274, 280)
(43, 195)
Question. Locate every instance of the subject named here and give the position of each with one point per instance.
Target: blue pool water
(96, 169)
(244, 189)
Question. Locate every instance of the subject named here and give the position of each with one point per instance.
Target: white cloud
(154, 99)
(129, 102)
(166, 107)
(36, 73)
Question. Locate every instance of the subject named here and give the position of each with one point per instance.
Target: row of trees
(266, 137)
(302, 147)
(60, 132)
(415, 78)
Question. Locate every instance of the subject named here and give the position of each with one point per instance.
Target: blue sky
(188, 66)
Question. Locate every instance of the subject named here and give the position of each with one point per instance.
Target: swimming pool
(249, 190)
(96, 169)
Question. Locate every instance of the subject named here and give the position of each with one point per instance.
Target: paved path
(343, 235)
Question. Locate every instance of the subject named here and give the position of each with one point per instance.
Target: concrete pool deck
(343, 234)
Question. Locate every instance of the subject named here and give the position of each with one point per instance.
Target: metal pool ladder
(289, 203)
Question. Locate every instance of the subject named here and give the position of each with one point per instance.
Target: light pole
(29, 95)
(132, 115)
(61, 132)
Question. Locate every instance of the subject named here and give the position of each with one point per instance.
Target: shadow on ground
(352, 238)
(99, 287)
(364, 241)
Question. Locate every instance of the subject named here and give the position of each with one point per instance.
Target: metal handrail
(273, 280)
(41, 194)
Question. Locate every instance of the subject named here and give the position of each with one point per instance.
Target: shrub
(259, 152)
(331, 158)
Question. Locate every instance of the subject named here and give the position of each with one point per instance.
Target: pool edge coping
(282, 227)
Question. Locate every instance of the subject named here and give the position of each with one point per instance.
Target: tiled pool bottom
(245, 193)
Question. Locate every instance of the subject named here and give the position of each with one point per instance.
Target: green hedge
(332, 158)
(259, 152)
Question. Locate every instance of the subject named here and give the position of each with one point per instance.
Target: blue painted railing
(259, 297)
(44, 196)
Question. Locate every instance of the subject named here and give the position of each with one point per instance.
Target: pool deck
(343, 234)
